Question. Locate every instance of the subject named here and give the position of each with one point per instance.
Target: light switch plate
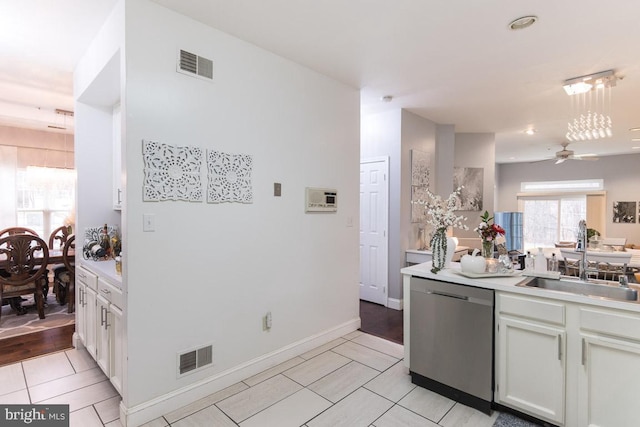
(148, 222)
(277, 189)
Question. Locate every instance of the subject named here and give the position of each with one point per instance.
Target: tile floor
(356, 380)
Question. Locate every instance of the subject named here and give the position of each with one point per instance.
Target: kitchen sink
(596, 288)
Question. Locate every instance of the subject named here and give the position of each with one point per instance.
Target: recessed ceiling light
(522, 23)
(635, 139)
(635, 148)
(530, 131)
(634, 129)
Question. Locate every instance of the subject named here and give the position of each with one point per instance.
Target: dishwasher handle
(466, 298)
(443, 294)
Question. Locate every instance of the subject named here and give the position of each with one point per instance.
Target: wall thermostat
(321, 200)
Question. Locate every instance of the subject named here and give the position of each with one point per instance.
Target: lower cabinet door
(102, 338)
(531, 368)
(90, 330)
(609, 382)
(117, 353)
(81, 312)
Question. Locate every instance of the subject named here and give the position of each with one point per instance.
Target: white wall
(211, 271)
(621, 182)
(417, 133)
(477, 150)
(94, 129)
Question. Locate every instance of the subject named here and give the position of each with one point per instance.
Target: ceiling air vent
(194, 360)
(194, 65)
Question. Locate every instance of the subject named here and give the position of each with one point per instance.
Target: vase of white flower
(441, 215)
(442, 248)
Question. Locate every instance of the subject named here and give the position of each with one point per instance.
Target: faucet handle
(624, 282)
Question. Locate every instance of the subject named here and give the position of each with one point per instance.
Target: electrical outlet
(277, 189)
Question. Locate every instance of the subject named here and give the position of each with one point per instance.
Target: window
(551, 219)
(44, 198)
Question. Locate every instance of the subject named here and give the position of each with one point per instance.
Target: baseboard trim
(396, 304)
(152, 409)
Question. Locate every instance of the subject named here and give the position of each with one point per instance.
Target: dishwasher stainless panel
(452, 340)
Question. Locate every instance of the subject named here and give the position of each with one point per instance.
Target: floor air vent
(194, 360)
(194, 65)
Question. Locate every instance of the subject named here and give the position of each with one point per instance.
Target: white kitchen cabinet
(531, 358)
(609, 371)
(102, 342)
(117, 157)
(109, 326)
(99, 318)
(116, 358)
(609, 382)
(86, 296)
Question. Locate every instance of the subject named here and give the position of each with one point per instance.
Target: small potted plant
(488, 231)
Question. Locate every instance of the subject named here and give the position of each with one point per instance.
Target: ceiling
(453, 62)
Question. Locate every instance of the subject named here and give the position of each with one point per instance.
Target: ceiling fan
(565, 154)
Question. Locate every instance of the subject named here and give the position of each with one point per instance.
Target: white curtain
(8, 165)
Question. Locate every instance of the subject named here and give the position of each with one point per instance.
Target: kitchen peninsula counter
(558, 356)
(506, 284)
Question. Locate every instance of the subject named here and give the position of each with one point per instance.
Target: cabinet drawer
(619, 323)
(87, 278)
(418, 258)
(532, 308)
(110, 293)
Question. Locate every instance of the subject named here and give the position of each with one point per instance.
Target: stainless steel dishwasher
(451, 336)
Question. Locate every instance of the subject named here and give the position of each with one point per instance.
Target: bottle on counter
(528, 262)
(553, 263)
(540, 263)
(105, 241)
(118, 259)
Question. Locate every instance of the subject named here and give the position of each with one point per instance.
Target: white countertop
(509, 284)
(428, 251)
(104, 269)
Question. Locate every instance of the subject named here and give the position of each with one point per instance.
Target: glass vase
(487, 248)
(442, 250)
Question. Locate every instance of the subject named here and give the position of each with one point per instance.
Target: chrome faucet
(581, 246)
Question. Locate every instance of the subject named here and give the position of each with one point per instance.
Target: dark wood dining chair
(23, 269)
(59, 237)
(66, 280)
(57, 240)
(9, 231)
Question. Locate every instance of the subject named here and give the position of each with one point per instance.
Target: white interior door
(374, 208)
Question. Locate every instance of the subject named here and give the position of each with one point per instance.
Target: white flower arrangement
(441, 215)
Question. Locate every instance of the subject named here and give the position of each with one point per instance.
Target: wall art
(418, 210)
(171, 172)
(419, 168)
(624, 212)
(472, 181)
(229, 177)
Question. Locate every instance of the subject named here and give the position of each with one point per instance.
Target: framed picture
(624, 212)
(419, 168)
(472, 181)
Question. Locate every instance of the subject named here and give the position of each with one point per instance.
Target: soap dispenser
(540, 264)
(528, 262)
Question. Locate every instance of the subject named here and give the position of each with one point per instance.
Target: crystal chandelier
(590, 106)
